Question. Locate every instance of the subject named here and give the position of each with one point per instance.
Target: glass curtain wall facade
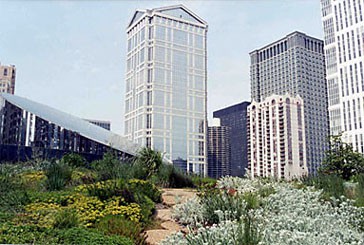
(235, 117)
(343, 22)
(165, 102)
(295, 65)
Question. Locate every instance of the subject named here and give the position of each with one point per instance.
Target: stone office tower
(165, 100)
(343, 22)
(295, 65)
(7, 79)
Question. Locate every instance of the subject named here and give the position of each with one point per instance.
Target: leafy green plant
(118, 225)
(26, 234)
(342, 160)
(332, 185)
(149, 162)
(359, 191)
(74, 160)
(58, 176)
(110, 167)
(145, 188)
(12, 192)
(82, 236)
(66, 218)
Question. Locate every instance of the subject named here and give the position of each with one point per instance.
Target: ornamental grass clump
(58, 176)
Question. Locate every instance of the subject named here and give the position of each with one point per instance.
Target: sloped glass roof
(73, 123)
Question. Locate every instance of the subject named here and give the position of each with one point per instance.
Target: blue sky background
(71, 54)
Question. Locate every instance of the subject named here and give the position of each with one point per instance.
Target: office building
(295, 65)
(344, 50)
(234, 117)
(276, 130)
(103, 124)
(165, 100)
(218, 149)
(7, 79)
(26, 125)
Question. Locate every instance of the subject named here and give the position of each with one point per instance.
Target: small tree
(341, 159)
(149, 161)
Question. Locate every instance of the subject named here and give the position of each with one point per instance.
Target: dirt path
(168, 226)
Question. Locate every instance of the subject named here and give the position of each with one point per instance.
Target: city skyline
(87, 63)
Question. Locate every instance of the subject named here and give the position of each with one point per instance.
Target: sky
(71, 55)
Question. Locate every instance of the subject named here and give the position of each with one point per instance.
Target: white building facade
(276, 138)
(344, 50)
(165, 101)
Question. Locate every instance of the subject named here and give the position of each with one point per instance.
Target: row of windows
(352, 114)
(352, 79)
(351, 46)
(345, 11)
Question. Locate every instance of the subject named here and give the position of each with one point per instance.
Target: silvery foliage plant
(287, 216)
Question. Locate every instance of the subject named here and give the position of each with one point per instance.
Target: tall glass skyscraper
(295, 65)
(343, 22)
(165, 100)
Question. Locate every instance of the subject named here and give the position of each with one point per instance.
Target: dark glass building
(235, 117)
(218, 150)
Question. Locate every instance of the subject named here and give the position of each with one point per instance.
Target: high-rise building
(344, 49)
(295, 64)
(165, 100)
(218, 149)
(276, 132)
(234, 117)
(7, 79)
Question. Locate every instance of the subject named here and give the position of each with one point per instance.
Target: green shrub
(66, 219)
(146, 188)
(58, 176)
(201, 182)
(147, 207)
(359, 191)
(12, 193)
(107, 189)
(82, 236)
(148, 162)
(118, 225)
(110, 167)
(74, 160)
(29, 234)
(332, 185)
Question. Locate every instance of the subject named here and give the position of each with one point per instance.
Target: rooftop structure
(30, 124)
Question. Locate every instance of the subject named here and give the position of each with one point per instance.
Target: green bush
(12, 193)
(107, 189)
(11, 234)
(110, 167)
(147, 207)
(58, 176)
(148, 162)
(359, 191)
(145, 188)
(66, 219)
(74, 160)
(172, 177)
(118, 225)
(201, 182)
(331, 184)
(83, 236)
